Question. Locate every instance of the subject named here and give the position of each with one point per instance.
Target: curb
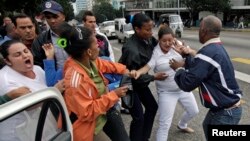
(223, 29)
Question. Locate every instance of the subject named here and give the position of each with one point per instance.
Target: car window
(116, 25)
(25, 123)
(104, 24)
(109, 24)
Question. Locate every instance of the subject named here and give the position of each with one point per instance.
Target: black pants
(142, 123)
(114, 127)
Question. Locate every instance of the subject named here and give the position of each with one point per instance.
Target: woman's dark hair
(165, 30)
(4, 47)
(79, 39)
(139, 19)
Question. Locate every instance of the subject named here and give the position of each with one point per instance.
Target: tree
(101, 1)
(194, 7)
(31, 7)
(104, 11)
(80, 15)
(68, 9)
(214, 6)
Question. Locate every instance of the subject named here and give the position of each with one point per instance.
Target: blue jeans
(222, 117)
(142, 123)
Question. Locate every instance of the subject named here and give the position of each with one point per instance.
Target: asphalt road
(196, 122)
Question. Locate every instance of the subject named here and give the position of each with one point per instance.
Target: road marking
(242, 60)
(242, 76)
(117, 49)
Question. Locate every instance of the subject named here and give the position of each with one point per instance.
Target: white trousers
(167, 103)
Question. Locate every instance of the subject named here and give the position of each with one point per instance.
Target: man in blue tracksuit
(211, 70)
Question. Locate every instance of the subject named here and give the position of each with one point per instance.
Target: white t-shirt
(159, 62)
(10, 79)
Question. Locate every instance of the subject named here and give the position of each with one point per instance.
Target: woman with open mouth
(19, 71)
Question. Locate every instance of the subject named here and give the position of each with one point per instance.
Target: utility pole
(123, 7)
(178, 5)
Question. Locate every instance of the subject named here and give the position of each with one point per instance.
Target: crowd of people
(71, 59)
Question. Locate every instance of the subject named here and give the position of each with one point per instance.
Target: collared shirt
(213, 40)
(60, 53)
(6, 38)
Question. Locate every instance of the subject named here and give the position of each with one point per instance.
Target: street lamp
(123, 7)
(178, 5)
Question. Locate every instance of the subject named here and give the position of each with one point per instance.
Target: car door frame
(47, 96)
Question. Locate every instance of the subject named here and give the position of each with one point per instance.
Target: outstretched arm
(137, 73)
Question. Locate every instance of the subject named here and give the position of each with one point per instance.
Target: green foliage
(120, 13)
(79, 16)
(214, 6)
(101, 1)
(68, 9)
(104, 11)
(31, 7)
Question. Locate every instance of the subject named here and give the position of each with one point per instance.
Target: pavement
(196, 123)
(247, 29)
(174, 133)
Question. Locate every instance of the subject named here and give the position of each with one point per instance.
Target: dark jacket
(135, 54)
(37, 50)
(212, 71)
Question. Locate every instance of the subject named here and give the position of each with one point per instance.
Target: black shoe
(125, 111)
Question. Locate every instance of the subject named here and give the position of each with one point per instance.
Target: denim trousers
(142, 122)
(114, 126)
(222, 117)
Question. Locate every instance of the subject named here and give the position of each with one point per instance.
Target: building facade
(117, 4)
(154, 8)
(84, 5)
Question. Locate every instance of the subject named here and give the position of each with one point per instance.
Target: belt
(238, 104)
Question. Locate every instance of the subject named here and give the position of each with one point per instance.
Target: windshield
(174, 19)
(128, 27)
(108, 24)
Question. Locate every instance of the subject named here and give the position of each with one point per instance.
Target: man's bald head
(212, 24)
(210, 27)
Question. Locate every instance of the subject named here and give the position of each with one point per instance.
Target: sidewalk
(223, 29)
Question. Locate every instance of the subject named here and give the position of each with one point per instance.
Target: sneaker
(186, 130)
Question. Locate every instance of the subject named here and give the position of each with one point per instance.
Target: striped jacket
(212, 71)
(81, 96)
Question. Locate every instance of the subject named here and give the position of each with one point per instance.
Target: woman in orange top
(86, 94)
